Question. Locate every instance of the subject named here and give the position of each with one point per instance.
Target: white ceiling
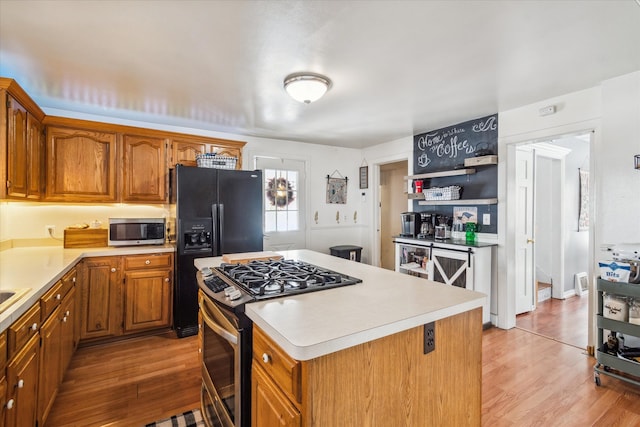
(398, 68)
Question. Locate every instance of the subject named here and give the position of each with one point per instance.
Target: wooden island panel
(385, 382)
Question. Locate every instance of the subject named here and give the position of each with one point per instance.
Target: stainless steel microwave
(136, 231)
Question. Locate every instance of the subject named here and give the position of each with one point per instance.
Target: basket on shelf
(212, 160)
(442, 193)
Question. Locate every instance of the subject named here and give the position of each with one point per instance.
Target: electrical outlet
(429, 337)
(49, 230)
(486, 219)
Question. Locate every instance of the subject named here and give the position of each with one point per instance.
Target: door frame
(506, 318)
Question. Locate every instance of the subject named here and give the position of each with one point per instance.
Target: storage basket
(442, 193)
(211, 160)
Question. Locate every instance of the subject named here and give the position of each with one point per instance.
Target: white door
(523, 219)
(284, 215)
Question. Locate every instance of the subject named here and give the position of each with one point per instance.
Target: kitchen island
(358, 355)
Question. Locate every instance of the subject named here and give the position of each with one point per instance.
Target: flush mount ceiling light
(306, 87)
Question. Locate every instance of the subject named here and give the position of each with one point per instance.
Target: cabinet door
(100, 306)
(50, 364)
(144, 169)
(269, 406)
(22, 384)
(147, 299)
(81, 165)
(68, 334)
(35, 158)
(185, 152)
(17, 149)
(228, 151)
(3, 398)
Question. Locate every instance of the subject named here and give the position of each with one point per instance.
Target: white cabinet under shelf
(469, 267)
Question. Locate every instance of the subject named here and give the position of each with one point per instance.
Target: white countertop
(39, 268)
(310, 325)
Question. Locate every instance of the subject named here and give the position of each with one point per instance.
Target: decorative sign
(364, 177)
(446, 148)
(583, 216)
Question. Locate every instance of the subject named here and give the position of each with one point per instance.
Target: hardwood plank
(129, 383)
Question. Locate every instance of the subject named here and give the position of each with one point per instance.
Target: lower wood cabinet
(22, 385)
(269, 406)
(125, 294)
(100, 298)
(389, 381)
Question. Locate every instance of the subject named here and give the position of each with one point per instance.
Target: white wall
(612, 110)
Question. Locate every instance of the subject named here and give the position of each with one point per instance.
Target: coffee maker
(411, 222)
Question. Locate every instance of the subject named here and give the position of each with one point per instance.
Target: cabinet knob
(147, 262)
(73, 280)
(20, 383)
(67, 313)
(64, 319)
(10, 404)
(34, 327)
(265, 358)
(113, 269)
(58, 296)
(166, 279)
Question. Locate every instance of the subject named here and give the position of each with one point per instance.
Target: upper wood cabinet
(81, 165)
(21, 144)
(184, 149)
(144, 171)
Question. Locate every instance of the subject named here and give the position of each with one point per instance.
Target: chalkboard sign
(446, 148)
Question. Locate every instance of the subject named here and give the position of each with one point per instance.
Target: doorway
(559, 239)
(392, 202)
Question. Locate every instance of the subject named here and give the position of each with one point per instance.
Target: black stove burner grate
(264, 279)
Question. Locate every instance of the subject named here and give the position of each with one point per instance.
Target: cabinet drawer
(23, 329)
(68, 282)
(50, 300)
(284, 370)
(148, 261)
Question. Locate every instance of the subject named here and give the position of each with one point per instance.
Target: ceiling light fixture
(306, 87)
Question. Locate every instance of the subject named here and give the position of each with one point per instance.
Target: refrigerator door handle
(215, 241)
(221, 224)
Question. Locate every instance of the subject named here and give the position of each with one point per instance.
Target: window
(282, 211)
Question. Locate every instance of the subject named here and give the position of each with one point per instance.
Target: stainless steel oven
(225, 345)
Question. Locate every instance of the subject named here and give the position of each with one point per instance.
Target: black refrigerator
(218, 211)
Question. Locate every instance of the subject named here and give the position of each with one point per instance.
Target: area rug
(191, 418)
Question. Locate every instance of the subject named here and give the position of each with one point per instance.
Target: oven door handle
(219, 329)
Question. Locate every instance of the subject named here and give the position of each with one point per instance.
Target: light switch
(486, 219)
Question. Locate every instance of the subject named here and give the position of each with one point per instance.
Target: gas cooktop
(259, 280)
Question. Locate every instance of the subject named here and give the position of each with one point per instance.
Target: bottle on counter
(470, 235)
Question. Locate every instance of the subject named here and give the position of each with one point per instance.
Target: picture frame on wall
(364, 177)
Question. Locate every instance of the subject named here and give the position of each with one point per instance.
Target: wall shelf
(459, 202)
(455, 172)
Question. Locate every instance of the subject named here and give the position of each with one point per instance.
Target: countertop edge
(13, 313)
(341, 343)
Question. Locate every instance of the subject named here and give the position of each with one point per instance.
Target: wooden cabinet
(100, 298)
(57, 340)
(3, 397)
(270, 407)
(23, 143)
(22, 385)
(147, 292)
(184, 149)
(144, 171)
(81, 165)
(442, 386)
(125, 295)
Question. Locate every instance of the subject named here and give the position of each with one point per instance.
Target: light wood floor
(561, 320)
(528, 380)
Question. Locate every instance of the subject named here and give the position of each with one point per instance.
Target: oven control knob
(228, 290)
(234, 295)
(265, 357)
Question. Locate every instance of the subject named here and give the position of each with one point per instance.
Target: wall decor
(337, 188)
(364, 177)
(583, 216)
